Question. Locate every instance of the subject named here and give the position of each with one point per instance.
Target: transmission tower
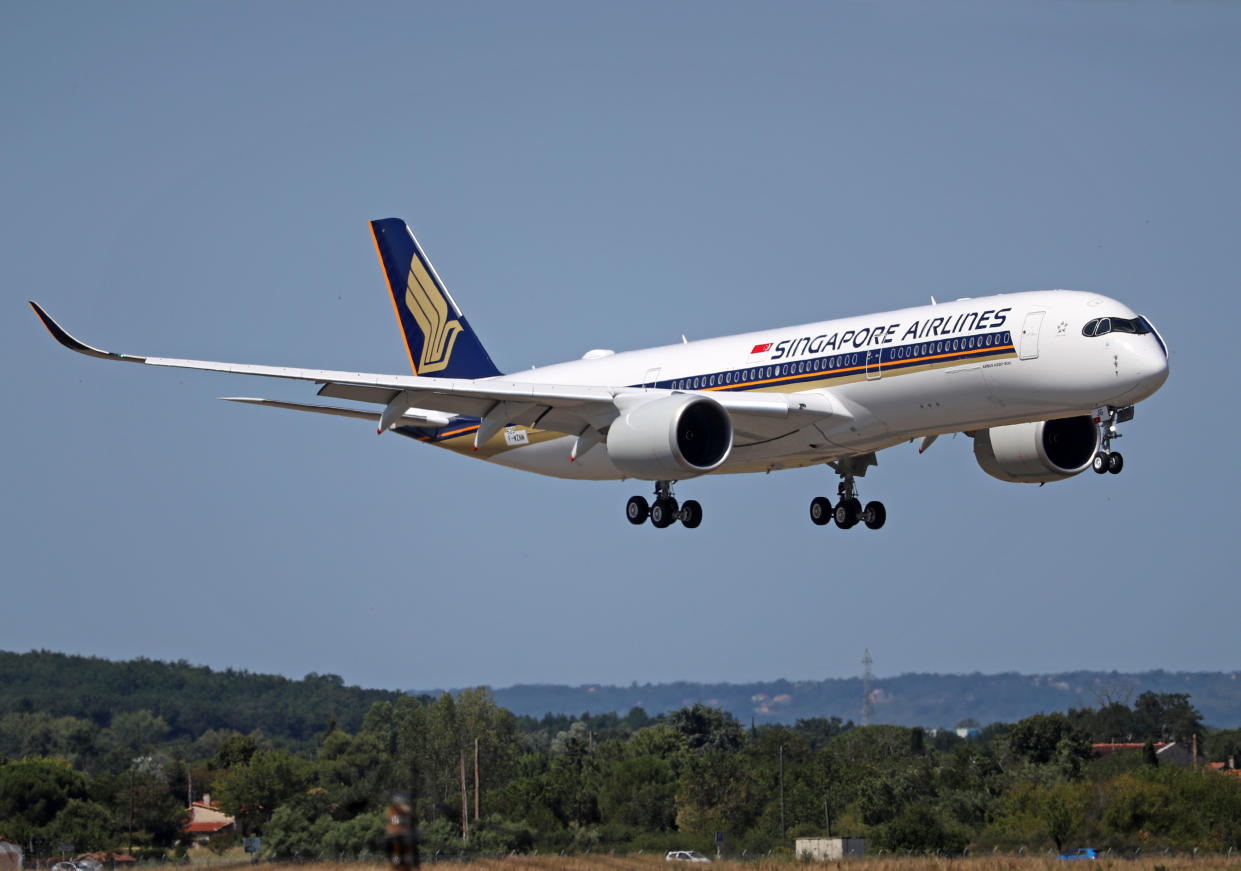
(868, 707)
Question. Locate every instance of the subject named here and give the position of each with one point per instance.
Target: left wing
(496, 401)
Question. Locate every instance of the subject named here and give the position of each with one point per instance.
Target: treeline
(189, 700)
(613, 782)
(906, 699)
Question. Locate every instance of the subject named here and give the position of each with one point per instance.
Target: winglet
(61, 335)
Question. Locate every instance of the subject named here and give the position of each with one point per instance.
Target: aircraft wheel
(874, 515)
(691, 514)
(1099, 463)
(820, 511)
(663, 513)
(1115, 462)
(847, 513)
(636, 510)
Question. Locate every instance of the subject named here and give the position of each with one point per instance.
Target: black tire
(874, 515)
(636, 510)
(1099, 463)
(820, 511)
(846, 513)
(691, 514)
(663, 513)
(1115, 462)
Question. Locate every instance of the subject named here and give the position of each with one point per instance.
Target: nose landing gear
(1108, 460)
(664, 511)
(848, 511)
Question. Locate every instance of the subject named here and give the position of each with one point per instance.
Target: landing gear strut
(848, 511)
(1108, 460)
(664, 511)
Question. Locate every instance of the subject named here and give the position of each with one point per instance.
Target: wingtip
(61, 335)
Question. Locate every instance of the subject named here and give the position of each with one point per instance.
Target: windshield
(1103, 326)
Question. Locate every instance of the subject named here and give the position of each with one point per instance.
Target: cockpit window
(1103, 326)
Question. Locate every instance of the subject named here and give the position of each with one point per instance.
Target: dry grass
(885, 863)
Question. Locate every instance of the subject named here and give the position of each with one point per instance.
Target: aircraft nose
(1149, 364)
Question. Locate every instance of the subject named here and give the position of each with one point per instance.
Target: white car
(685, 856)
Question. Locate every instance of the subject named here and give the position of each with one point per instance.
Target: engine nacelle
(1045, 450)
(671, 438)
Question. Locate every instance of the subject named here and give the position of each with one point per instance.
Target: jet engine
(671, 438)
(1045, 450)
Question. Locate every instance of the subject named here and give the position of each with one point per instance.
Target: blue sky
(194, 180)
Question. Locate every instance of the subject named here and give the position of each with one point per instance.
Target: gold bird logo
(430, 310)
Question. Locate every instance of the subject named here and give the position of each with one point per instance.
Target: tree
(718, 792)
(33, 792)
(250, 793)
(1167, 717)
(234, 750)
(707, 728)
(1062, 809)
(1041, 738)
(640, 792)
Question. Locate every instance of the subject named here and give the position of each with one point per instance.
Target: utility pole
(465, 806)
(131, 808)
(782, 793)
(475, 778)
(868, 706)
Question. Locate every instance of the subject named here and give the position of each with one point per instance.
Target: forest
(312, 774)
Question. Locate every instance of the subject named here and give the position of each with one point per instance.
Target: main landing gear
(848, 511)
(1108, 460)
(664, 511)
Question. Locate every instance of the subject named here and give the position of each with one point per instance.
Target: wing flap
(412, 417)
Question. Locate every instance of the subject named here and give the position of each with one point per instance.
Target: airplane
(1040, 380)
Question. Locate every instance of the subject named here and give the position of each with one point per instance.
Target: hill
(190, 699)
(933, 700)
(194, 699)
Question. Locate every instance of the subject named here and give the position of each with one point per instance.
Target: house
(204, 819)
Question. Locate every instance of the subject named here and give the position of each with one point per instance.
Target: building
(829, 849)
(1170, 752)
(204, 819)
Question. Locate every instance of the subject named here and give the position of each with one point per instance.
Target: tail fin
(440, 341)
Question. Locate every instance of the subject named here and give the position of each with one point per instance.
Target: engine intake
(671, 438)
(1045, 450)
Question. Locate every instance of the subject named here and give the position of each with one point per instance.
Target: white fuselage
(953, 367)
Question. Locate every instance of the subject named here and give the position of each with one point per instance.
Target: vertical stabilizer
(440, 342)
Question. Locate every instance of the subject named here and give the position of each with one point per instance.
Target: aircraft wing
(497, 401)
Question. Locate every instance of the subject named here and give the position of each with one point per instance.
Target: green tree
(1062, 808)
(235, 750)
(252, 792)
(718, 791)
(707, 728)
(33, 792)
(1167, 717)
(639, 792)
(87, 825)
(1042, 738)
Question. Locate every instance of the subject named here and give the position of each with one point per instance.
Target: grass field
(653, 862)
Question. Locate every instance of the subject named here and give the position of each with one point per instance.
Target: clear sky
(194, 180)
